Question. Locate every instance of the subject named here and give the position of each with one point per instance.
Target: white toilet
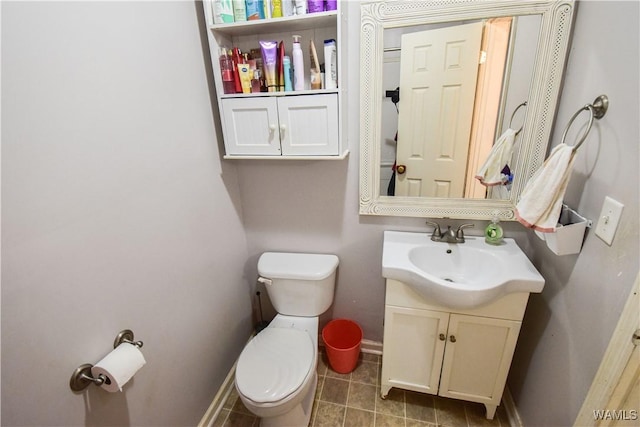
(276, 373)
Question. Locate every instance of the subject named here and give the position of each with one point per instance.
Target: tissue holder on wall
(569, 234)
(115, 369)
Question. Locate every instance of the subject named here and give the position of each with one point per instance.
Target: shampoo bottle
(330, 65)
(493, 233)
(298, 64)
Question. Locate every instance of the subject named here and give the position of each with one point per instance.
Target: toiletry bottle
(493, 233)
(226, 69)
(330, 65)
(239, 10)
(315, 6)
(276, 8)
(256, 86)
(255, 9)
(287, 74)
(298, 64)
(237, 58)
(267, 8)
(301, 9)
(288, 9)
(280, 66)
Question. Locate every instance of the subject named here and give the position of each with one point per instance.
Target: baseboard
(373, 347)
(510, 408)
(217, 404)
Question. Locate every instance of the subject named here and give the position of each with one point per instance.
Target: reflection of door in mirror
(438, 73)
(495, 44)
(503, 75)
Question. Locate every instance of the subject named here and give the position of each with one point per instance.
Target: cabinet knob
(452, 338)
(443, 337)
(272, 128)
(282, 129)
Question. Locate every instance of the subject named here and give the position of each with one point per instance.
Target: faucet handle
(436, 229)
(460, 233)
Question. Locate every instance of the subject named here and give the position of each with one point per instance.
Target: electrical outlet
(609, 219)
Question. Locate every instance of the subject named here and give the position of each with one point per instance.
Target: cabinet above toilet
(304, 124)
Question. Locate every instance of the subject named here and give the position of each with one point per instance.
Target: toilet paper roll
(119, 366)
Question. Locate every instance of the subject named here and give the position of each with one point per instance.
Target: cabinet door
(414, 342)
(478, 357)
(309, 125)
(251, 126)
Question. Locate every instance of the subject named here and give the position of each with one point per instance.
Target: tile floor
(353, 400)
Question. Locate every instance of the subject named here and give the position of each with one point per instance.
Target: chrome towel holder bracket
(597, 110)
(81, 377)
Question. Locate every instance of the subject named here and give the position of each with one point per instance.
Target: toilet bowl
(276, 373)
(276, 376)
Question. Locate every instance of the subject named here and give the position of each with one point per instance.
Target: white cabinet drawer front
(476, 364)
(251, 126)
(309, 125)
(413, 348)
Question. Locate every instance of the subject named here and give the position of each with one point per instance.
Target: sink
(460, 275)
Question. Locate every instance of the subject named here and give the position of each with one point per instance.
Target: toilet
(276, 376)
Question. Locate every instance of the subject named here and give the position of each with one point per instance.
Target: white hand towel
(500, 155)
(541, 200)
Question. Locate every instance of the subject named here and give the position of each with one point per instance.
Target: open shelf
(288, 23)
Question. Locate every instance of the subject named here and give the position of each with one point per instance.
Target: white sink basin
(460, 275)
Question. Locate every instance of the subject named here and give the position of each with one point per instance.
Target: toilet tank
(299, 284)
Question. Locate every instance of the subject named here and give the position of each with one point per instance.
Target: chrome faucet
(448, 236)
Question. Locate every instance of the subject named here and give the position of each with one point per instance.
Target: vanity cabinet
(303, 124)
(457, 353)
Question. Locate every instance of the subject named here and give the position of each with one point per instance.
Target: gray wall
(116, 213)
(567, 328)
(70, 209)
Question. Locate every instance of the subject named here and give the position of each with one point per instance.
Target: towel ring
(524, 104)
(597, 110)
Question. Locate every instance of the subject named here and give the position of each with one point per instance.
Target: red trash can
(342, 339)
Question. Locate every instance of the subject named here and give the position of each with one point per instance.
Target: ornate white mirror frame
(550, 59)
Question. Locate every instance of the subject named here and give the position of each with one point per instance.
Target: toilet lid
(274, 364)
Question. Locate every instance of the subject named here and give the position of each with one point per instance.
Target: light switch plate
(609, 219)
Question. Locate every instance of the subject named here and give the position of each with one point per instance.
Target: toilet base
(299, 416)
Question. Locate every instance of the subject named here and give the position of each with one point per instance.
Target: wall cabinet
(304, 124)
(461, 354)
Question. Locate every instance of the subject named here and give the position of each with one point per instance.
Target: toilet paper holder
(81, 377)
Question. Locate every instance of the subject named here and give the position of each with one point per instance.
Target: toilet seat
(274, 364)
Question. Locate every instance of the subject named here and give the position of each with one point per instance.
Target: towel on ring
(541, 200)
(490, 172)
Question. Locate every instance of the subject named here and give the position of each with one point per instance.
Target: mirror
(434, 121)
(416, 128)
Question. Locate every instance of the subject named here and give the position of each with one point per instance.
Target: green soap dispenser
(493, 233)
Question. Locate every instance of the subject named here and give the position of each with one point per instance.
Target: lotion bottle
(298, 64)
(493, 233)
